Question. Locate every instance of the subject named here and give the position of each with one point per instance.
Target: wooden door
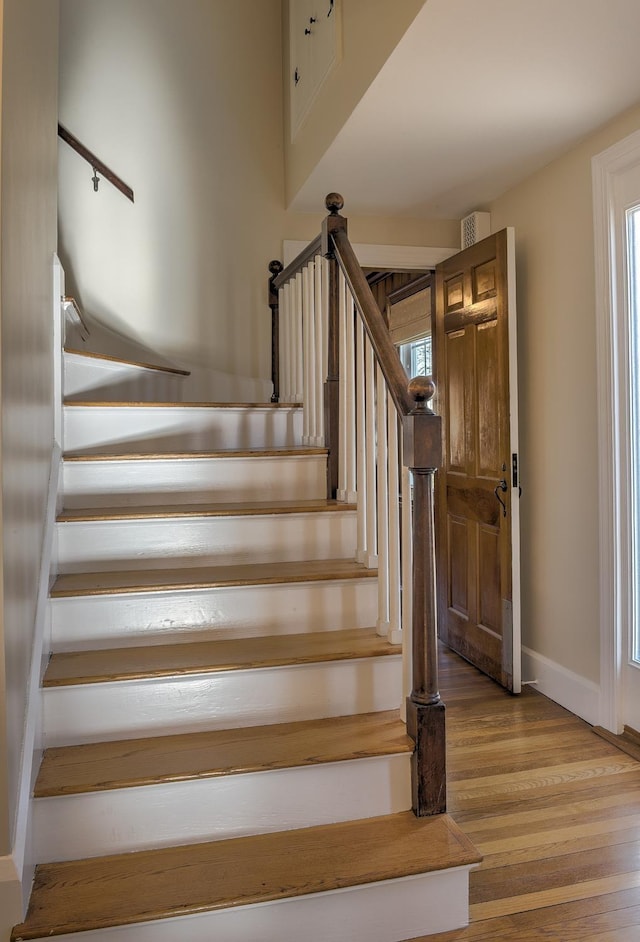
(477, 521)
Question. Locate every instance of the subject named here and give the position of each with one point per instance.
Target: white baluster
(350, 393)
(306, 352)
(298, 370)
(383, 498)
(395, 626)
(310, 398)
(282, 333)
(407, 574)
(344, 370)
(361, 444)
(286, 344)
(320, 359)
(370, 423)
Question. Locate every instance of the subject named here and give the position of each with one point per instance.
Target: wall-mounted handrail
(97, 165)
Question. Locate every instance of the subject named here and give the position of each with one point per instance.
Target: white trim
(58, 350)
(516, 606)
(382, 256)
(572, 691)
(612, 376)
(32, 746)
(11, 906)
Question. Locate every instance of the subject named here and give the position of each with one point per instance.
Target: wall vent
(473, 228)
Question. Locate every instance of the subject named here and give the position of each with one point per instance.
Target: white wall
(28, 241)
(184, 101)
(553, 218)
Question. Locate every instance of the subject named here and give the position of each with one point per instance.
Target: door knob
(501, 486)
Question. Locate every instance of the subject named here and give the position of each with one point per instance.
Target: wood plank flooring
(553, 809)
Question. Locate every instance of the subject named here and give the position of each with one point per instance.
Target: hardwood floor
(553, 809)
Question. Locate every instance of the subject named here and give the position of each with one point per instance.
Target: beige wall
(379, 230)
(371, 29)
(183, 101)
(28, 241)
(553, 218)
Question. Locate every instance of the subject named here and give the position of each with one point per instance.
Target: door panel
(473, 533)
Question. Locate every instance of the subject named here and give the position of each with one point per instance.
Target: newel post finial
(275, 267)
(334, 203)
(421, 389)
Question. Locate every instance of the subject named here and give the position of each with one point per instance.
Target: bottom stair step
(268, 888)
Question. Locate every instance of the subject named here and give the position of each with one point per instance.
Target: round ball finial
(275, 267)
(334, 203)
(421, 389)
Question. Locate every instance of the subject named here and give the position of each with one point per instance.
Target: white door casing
(616, 186)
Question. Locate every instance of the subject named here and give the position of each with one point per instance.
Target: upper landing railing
(332, 351)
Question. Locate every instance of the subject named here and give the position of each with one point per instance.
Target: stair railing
(334, 354)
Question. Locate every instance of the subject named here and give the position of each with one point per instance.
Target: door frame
(612, 335)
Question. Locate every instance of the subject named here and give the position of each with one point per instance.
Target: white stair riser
(128, 819)
(99, 621)
(193, 480)
(96, 380)
(175, 542)
(220, 700)
(179, 428)
(388, 911)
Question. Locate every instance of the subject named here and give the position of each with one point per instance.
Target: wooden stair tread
(90, 355)
(120, 452)
(70, 770)
(167, 660)
(223, 509)
(145, 885)
(161, 580)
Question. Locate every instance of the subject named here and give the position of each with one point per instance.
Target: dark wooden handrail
(97, 165)
(422, 454)
(422, 447)
(374, 324)
(309, 252)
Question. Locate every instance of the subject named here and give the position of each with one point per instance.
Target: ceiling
(476, 96)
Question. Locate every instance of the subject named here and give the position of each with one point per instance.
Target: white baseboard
(572, 691)
(32, 746)
(11, 911)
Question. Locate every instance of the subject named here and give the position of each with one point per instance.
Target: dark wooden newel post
(425, 710)
(275, 267)
(333, 222)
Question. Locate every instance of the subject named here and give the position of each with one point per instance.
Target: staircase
(225, 755)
